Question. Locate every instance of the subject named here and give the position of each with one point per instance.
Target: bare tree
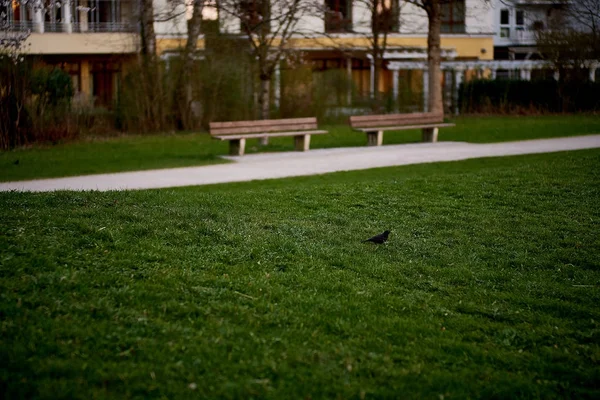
(147, 34)
(381, 17)
(586, 14)
(13, 80)
(572, 40)
(183, 90)
(433, 9)
(11, 39)
(268, 26)
(384, 19)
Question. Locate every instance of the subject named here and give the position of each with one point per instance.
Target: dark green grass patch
(169, 151)
(488, 288)
(127, 153)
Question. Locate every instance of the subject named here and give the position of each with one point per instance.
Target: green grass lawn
(488, 288)
(169, 151)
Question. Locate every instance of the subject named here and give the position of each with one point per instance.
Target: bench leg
(430, 135)
(237, 147)
(375, 138)
(302, 142)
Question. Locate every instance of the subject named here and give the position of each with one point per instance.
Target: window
(504, 17)
(103, 15)
(519, 18)
(453, 16)
(504, 23)
(388, 15)
(14, 16)
(254, 15)
(52, 17)
(338, 16)
(210, 17)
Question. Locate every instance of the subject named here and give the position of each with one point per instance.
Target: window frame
(455, 22)
(333, 22)
(257, 21)
(394, 16)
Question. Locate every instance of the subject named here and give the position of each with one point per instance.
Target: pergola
(400, 60)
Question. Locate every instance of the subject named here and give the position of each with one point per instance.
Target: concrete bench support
(375, 138)
(237, 147)
(430, 135)
(302, 142)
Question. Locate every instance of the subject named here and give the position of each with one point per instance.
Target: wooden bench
(374, 125)
(238, 131)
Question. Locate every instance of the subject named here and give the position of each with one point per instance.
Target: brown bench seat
(375, 125)
(238, 131)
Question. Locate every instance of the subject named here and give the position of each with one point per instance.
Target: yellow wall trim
(81, 43)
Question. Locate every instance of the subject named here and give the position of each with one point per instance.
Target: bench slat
(262, 135)
(262, 126)
(367, 121)
(403, 127)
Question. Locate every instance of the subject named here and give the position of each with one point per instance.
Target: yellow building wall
(81, 43)
(172, 44)
(86, 78)
(481, 48)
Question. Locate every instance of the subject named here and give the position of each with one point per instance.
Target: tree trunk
(434, 57)
(184, 93)
(264, 100)
(376, 54)
(147, 28)
(377, 63)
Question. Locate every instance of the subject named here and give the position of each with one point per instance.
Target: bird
(379, 239)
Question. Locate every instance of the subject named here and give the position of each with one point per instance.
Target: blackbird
(379, 239)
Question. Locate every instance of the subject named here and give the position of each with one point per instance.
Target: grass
(169, 151)
(488, 288)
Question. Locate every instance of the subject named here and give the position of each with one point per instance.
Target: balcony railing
(523, 36)
(105, 27)
(21, 26)
(53, 27)
(18, 26)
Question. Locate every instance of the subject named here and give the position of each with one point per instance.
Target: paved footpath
(288, 164)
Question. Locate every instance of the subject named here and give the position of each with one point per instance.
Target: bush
(144, 103)
(14, 118)
(321, 94)
(509, 96)
(50, 105)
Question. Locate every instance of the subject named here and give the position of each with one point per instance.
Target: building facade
(96, 40)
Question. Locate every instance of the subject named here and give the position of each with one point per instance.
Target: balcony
(105, 27)
(524, 37)
(72, 16)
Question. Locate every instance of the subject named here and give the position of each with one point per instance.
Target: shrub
(50, 105)
(14, 118)
(509, 96)
(144, 103)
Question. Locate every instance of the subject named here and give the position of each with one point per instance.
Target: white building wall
(311, 23)
(542, 12)
(479, 16)
(170, 18)
(413, 19)
(361, 17)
